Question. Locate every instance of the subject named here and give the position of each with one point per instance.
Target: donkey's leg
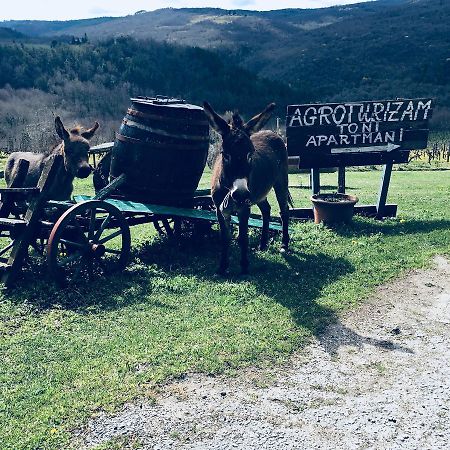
(244, 215)
(265, 212)
(225, 237)
(282, 193)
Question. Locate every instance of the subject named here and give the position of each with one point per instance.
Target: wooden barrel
(161, 146)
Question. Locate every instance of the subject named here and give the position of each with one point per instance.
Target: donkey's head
(237, 149)
(75, 148)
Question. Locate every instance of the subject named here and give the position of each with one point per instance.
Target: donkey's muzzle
(84, 171)
(241, 197)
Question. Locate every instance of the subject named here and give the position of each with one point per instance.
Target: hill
(374, 49)
(43, 28)
(380, 49)
(7, 34)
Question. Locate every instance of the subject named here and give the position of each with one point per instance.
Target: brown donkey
(74, 148)
(250, 163)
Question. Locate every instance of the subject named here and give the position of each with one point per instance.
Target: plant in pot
(333, 208)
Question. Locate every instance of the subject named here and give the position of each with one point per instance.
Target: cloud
(99, 11)
(243, 3)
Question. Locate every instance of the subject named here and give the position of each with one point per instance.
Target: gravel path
(379, 379)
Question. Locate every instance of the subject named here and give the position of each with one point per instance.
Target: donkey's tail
(290, 200)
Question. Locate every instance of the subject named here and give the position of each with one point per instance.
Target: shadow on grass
(85, 295)
(367, 227)
(295, 282)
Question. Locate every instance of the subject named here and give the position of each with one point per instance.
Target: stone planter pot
(333, 208)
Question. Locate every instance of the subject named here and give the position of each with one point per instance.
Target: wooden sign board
(357, 133)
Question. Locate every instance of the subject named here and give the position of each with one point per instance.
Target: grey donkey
(74, 148)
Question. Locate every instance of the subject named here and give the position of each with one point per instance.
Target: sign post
(355, 134)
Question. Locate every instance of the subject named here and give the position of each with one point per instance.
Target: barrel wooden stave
(162, 149)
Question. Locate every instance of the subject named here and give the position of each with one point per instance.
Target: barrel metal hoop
(186, 137)
(130, 140)
(135, 113)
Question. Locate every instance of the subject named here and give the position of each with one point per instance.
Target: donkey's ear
(217, 122)
(257, 122)
(89, 133)
(62, 132)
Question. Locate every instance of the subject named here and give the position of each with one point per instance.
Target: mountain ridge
(381, 49)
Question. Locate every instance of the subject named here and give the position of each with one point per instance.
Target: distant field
(68, 354)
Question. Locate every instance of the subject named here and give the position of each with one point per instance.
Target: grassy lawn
(67, 354)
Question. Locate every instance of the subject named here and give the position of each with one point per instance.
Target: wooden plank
(393, 108)
(19, 251)
(101, 148)
(18, 178)
(341, 180)
(327, 135)
(168, 211)
(309, 161)
(6, 222)
(315, 181)
(405, 136)
(18, 190)
(384, 187)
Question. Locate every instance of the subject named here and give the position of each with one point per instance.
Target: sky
(82, 9)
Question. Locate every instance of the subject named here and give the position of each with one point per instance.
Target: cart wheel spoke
(92, 224)
(102, 228)
(80, 231)
(72, 243)
(113, 251)
(75, 245)
(109, 237)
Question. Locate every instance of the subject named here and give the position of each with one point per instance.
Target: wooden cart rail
(98, 151)
(125, 206)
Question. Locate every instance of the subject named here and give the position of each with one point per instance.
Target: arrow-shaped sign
(380, 148)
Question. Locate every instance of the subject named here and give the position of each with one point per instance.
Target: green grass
(67, 354)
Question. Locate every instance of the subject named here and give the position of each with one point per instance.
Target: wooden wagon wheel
(90, 237)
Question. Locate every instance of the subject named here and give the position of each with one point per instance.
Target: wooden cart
(86, 234)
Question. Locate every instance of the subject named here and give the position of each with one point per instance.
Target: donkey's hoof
(283, 250)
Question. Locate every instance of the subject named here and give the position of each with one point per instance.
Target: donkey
(250, 163)
(74, 148)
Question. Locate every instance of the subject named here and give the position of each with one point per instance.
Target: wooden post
(384, 187)
(341, 180)
(315, 181)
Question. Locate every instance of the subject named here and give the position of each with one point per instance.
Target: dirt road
(379, 379)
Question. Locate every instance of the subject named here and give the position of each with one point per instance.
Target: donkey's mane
(55, 148)
(236, 120)
(77, 129)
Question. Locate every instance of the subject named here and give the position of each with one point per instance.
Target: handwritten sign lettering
(357, 133)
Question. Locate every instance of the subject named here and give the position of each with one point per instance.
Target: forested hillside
(374, 49)
(95, 82)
